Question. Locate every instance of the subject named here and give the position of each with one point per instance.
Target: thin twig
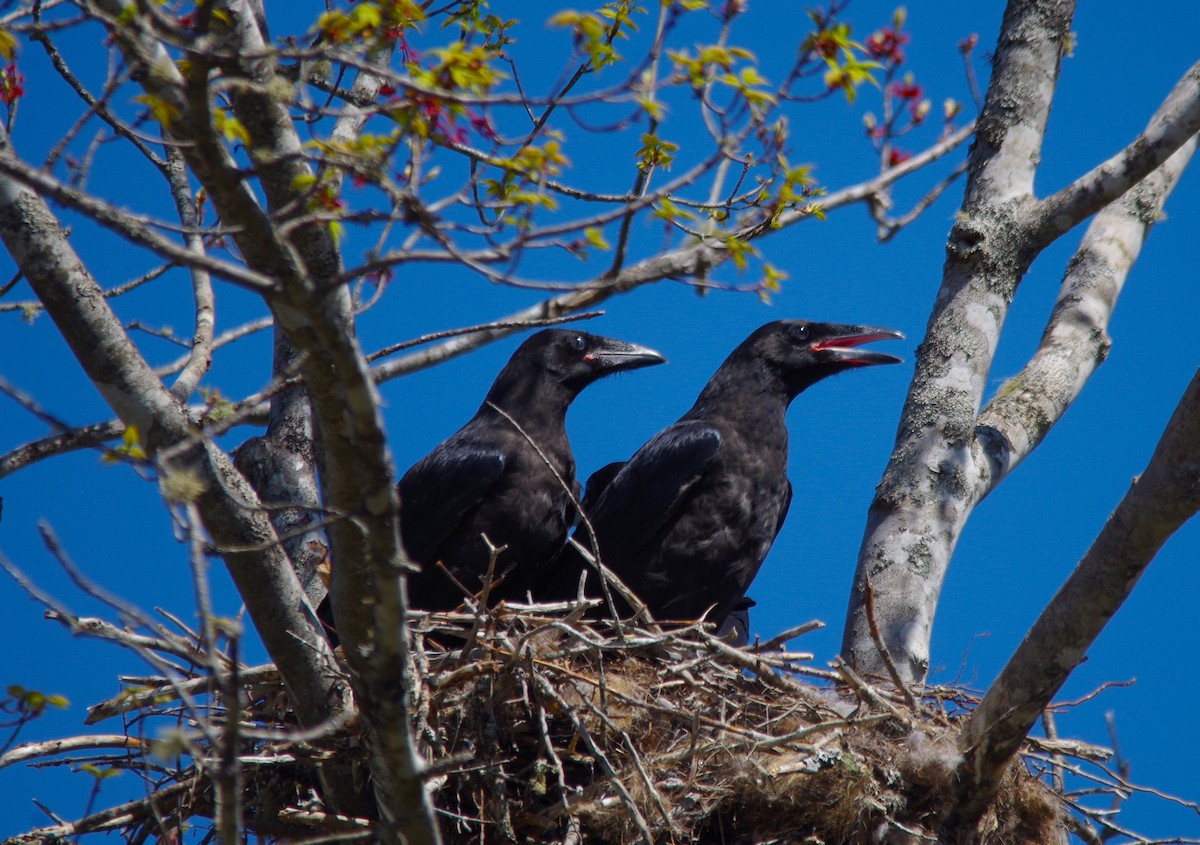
(885, 656)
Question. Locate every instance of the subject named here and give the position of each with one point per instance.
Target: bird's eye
(578, 343)
(800, 332)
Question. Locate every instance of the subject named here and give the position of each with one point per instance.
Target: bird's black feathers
(687, 521)
(440, 490)
(597, 482)
(643, 502)
(507, 475)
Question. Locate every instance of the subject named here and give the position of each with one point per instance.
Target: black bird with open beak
(687, 521)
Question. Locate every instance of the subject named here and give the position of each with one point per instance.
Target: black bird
(503, 474)
(687, 521)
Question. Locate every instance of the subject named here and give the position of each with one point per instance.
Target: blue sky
(1018, 547)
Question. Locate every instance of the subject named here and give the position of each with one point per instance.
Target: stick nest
(540, 726)
(569, 731)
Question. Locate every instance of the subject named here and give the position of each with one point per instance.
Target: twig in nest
(779, 639)
(884, 654)
(868, 693)
(598, 753)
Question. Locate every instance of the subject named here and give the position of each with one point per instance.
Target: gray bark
(948, 454)
(1159, 501)
(311, 311)
(228, 504)
(281, 466)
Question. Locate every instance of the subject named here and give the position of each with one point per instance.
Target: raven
(686, 522)
(507, 474)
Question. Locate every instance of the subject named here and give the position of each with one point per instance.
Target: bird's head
(801, 352)
(572, 359)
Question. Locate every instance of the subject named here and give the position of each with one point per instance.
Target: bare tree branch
(289, 629)
(1159, 501)
(947, 455)
(130, 226)
(1009, 130)
(50, 748)
(200, 353)
(160, 691)
(1076, 339)
(695, 259)
(1174, 122)
(113, 818)
(254, 411)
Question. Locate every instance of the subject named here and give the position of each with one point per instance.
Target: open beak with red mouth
(840, 346)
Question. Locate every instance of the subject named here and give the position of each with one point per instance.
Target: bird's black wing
(645, 495)
(597, 483)
(440, 489)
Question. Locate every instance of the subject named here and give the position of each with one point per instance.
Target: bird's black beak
(840, 346)
(612, 356)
